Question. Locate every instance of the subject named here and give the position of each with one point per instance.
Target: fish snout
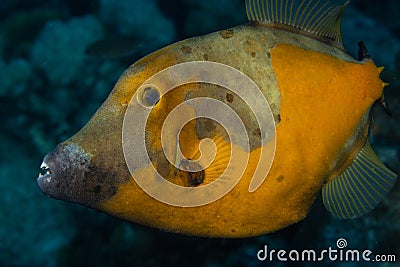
(63, 172)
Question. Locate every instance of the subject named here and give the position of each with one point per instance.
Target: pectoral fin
(360, 188)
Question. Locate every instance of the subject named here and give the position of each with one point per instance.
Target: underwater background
(59, 59)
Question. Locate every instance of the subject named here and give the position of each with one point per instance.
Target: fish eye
(149, 96)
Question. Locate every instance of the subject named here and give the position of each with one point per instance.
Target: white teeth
(44, 165)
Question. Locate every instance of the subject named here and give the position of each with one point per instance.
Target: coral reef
(60, 48)
(14, 77)
(137, 19)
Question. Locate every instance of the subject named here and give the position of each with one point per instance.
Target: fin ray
(352, 195)
(272, 10)
(360, 188)
(330, 189)
(316, 14)
(347, 207)
(309, 13)
(318, 23)
(372, 178)
(357, 195)
(336, 193)
(295, 22)
(372, 190)
(221, 161)
(264, 16)
(320, 19)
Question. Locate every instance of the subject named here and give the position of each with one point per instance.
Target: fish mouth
(45, 177)
(68, 173)
(50, 178)
(62, 172)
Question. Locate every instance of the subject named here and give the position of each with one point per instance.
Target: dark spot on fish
(268, 55)
(257, 132)
(204, 127)
(101, 184)
(233, 230)
(192, 178)
(186, 49)
(280, 178)
(277, 118)
(253, 54)
(229, 98)
(226, 34)
(196, 178)
(113, 190)
(97, 189)
(296, 40)
(205, 56)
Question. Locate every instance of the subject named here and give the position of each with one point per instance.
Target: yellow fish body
(319, 99)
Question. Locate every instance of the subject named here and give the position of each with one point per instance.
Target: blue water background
(51, 83)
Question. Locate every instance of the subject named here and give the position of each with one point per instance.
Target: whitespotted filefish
(155, 156)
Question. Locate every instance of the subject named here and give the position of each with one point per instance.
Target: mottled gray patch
(227, 34)
(74, 177)
(229, 98)
(186, 49)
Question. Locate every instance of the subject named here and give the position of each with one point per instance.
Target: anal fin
(360, 188)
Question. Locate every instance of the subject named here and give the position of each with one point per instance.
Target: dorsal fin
(320, 19)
